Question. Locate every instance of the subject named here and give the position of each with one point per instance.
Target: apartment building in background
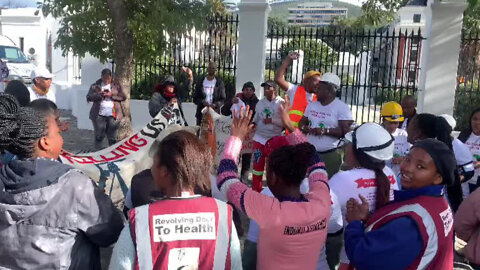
(315, 14)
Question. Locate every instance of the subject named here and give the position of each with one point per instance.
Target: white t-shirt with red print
(473, 144)
(355, 182)
(327, 117)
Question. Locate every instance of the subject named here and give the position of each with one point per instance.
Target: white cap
(331, 78)
(451, 121)
(41, 72)
(373, 140)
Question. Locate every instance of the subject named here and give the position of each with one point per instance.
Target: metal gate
(375, 66)
(194, 50)
(467, 94)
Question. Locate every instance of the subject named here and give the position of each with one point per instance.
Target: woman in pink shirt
(293, 227)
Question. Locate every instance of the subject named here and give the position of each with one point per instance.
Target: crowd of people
(401, 194)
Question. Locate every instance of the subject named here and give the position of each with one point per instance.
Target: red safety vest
(182, 233)
(300, 103)
(434, 219)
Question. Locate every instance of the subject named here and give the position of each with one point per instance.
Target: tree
(115, 29)
(317, 54)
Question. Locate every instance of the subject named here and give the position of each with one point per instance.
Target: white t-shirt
(328, 117)
(292, 89)
(106, 106)
(209, 89)
(267, 110)
(401, 148)
(34, 95)
(473, 144)
(359, 181)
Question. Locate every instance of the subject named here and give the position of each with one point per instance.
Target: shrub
(383, 95)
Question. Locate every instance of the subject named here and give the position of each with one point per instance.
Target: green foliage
(471, 19)
(317, 54)
(146, 79)
(382, 95)
(467, 99)
(87, 26)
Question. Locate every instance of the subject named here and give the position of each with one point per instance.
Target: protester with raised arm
(299, 95)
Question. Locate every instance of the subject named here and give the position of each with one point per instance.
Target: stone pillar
(252, 37)
(440, 55)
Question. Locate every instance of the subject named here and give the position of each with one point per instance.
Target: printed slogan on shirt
(191, 226)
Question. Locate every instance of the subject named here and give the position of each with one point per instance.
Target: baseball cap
(248, 85)
(379, 146)
(169, 80)
(41, 72)
(311, 73)
(331, 78)
(269, 84)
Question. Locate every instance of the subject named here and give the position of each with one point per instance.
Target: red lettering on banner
(67, 156)
(367, 183)
(130, 146)
(140, 141)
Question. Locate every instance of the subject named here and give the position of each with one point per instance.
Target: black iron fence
(194, 50)
(467, 94)
(375, 66)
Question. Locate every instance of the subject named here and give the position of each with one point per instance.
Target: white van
(18, 65)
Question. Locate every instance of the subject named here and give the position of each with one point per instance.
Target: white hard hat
(373, 140)
(41, 72)
(332, 79)
(451, 121)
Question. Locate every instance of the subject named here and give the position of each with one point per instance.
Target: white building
(35, 35)
(315, 14)
(407, 50)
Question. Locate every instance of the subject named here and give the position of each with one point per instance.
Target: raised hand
(283, 110)
(357, 211)
(241, 123)
(293, 55)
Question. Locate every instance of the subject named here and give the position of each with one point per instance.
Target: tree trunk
(123, 60)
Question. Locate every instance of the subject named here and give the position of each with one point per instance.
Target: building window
(417, 18)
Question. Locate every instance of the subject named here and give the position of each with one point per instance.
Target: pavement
(76, 140)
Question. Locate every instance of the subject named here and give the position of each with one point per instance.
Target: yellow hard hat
(392, 111)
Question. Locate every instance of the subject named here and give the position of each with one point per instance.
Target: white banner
(113, 168)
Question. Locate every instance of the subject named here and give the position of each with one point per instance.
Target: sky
(33, 3)
(18, 3)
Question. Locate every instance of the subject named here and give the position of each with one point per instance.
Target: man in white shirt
(41, 82)
(209, 91)
(106, 112)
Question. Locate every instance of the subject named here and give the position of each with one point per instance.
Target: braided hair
(20, 127)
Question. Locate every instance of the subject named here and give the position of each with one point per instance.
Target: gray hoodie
(53, 217)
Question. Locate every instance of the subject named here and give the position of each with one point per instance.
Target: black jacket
(218, 95)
